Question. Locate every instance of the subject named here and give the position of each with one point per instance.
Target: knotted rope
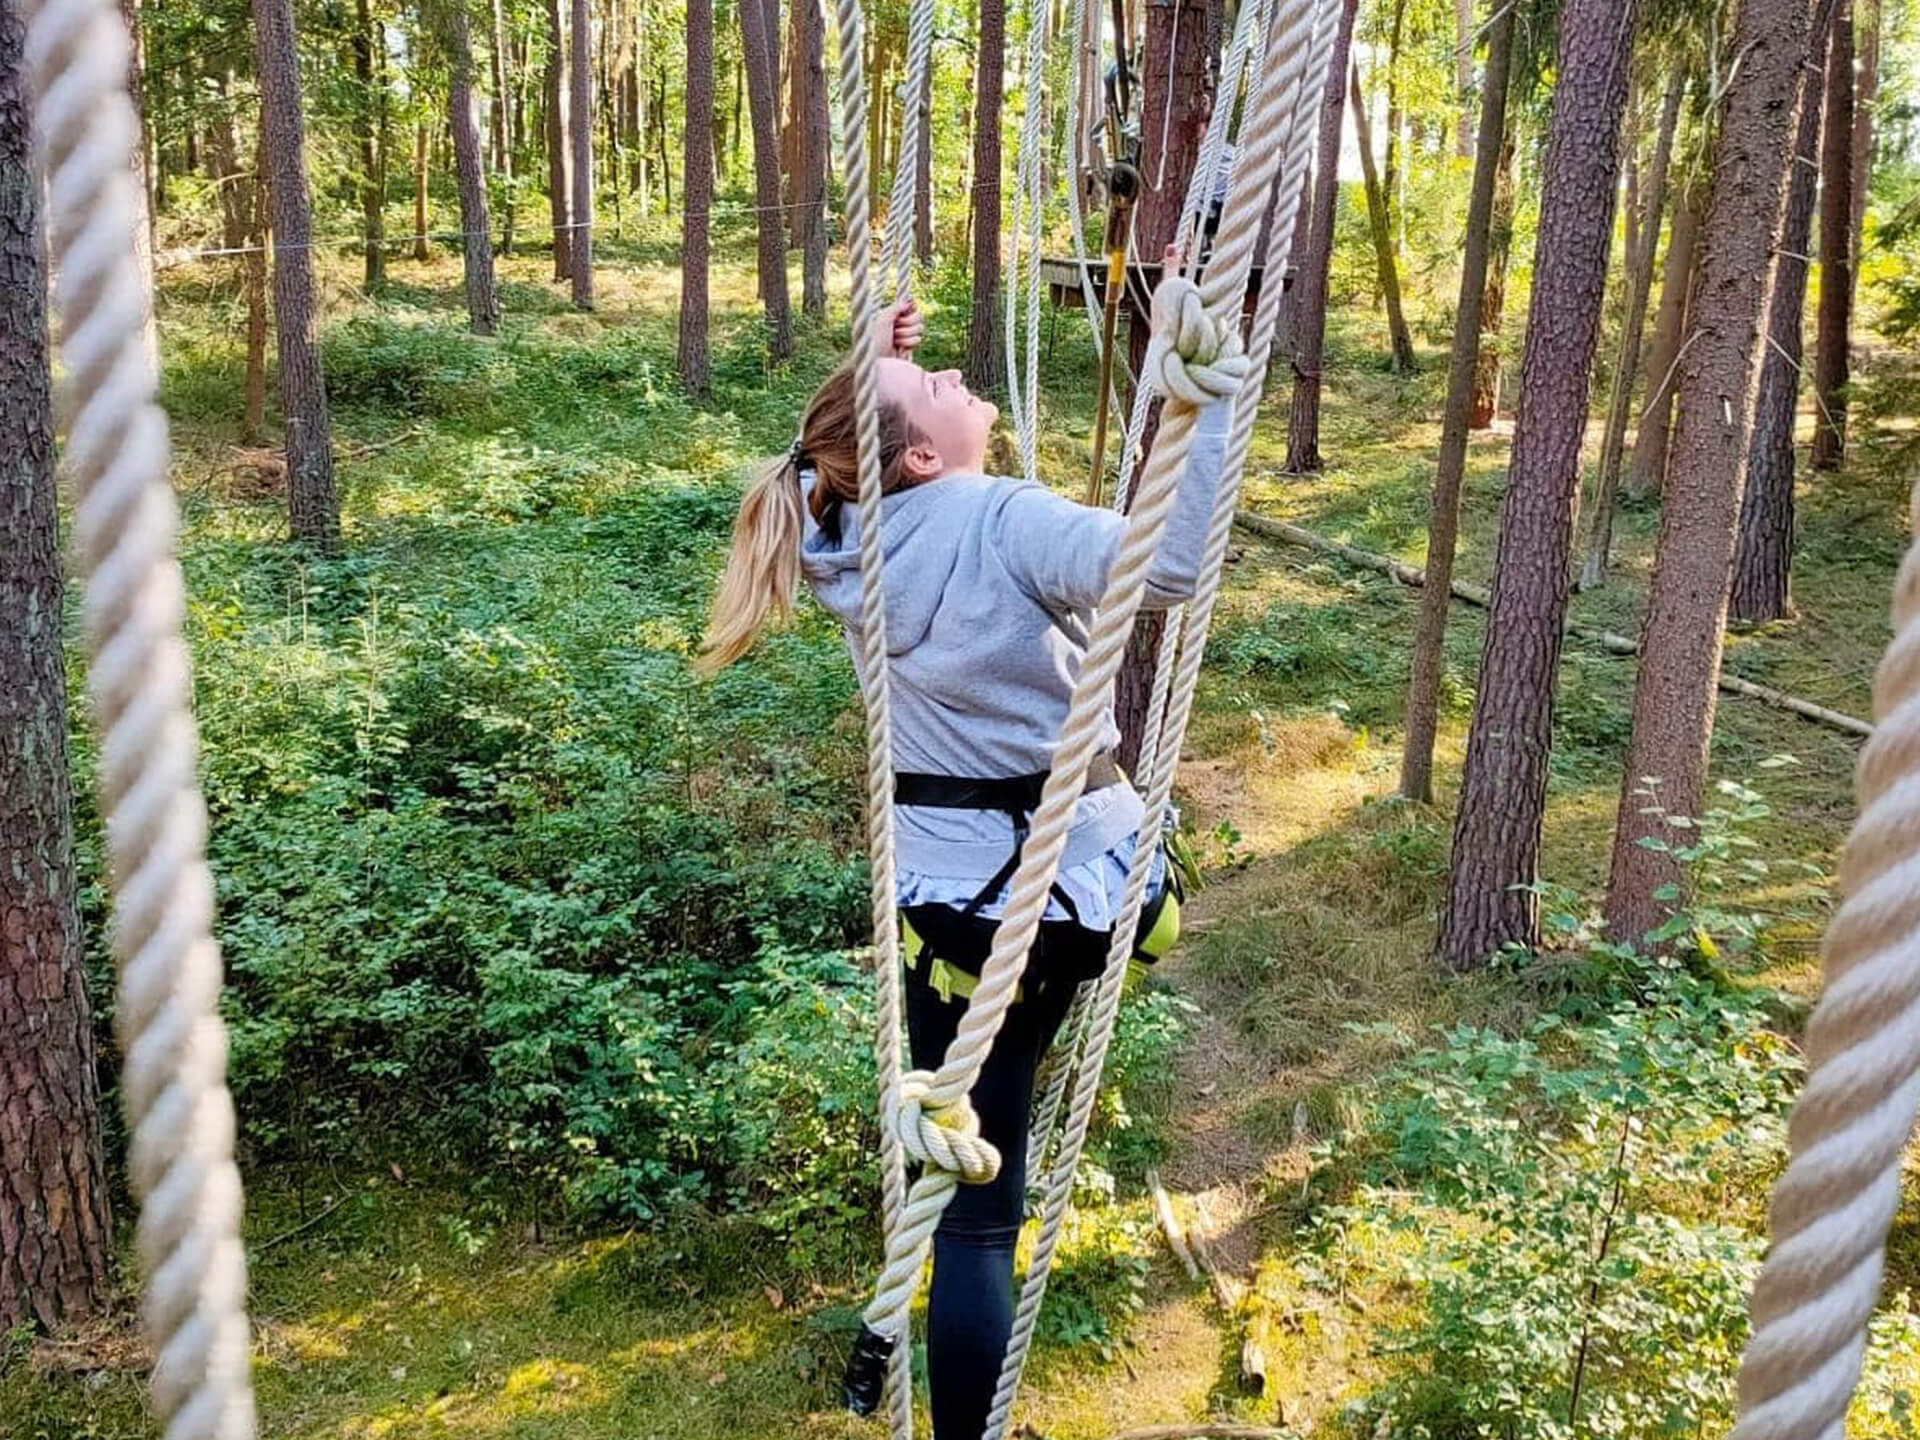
(1835, 1203)
(124, 520)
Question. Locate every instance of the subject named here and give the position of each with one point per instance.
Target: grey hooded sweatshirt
(991, 584)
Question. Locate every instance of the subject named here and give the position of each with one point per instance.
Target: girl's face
(953, 423)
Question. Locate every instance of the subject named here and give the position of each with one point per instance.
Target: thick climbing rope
(1279, 132)
(903, 207)
(181, 1116)
(1833, 1207)
(1193, 206)
(875, 690)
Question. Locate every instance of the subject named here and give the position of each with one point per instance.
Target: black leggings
(970, 1311)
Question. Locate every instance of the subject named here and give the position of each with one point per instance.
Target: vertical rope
(1835, 1203)
(904, 206)
(180, 1113)
(1286, 96)
(875, 691)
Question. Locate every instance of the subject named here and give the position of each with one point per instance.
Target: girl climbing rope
(987, 616)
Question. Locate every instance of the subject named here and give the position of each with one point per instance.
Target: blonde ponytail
(762, 577)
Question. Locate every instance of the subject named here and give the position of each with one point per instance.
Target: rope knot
(1192, 357)
(945, 1136)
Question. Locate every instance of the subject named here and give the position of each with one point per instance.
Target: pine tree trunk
(793, 131)
(559, 168)
(1496, 835)
(1310, 310)
(766, 176)
(1390, 191)
(1670, 328)
(312, 505)
(923, 178)
(366, 104)
(580, 132)
(1763, 560)
(1684, 636)
(810, 68)
(1180, 68)
(983, 336)
(143, 237)
(1834, 331)
(56, 1236)
(1400, 342)
(476, 228)
(1626, 366)
(1490, 364)
(694, 365)
(253, 423)
(1443, 526)
(504, 133)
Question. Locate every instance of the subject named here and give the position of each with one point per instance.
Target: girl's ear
(922, 463)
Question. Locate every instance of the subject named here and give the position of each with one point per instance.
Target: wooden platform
(1061, 275)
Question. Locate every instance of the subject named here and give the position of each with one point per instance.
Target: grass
(410, 1310)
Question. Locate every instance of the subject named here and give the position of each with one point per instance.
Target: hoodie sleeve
(1060, 551)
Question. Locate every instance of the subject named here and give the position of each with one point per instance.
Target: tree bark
(1670, 328)
(312, 505)
(367, 103)
(766, 174)
(1391, 192)
(1310, 309)
(810, 71)
(983, 333)
(1399, 341)
(56, 1236)
(1627, 361)
(1178, 80)
(1763, 561)
(476, 229)
(1834, 331)
(923, 177)
(504, 134)
(1684, 637)
(580, 132)
(1496, 835)
(559, 167)
(694, 364)
(1490, 363)
(1443, 526)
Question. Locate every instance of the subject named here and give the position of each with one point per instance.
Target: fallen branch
(1170, 1224)
(1478, 595)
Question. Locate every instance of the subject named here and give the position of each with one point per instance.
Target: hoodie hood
(920, 550)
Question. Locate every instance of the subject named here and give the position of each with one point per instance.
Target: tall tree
(1763, 558)
(761, 101)
(1491, 363)
(1833, 335)
(253, 422)
(1867, 24)
(1310, 308)
(580, 253)
(420, 251)
(1496, 835)
(1683, 639)
(810, 72)
(1463, 137)
(1443, 526)
(559, 166)
(505, 135)
(983, 335)
(56, 1237)
(1670, 327)
(1400, 342)
(312, 505)
(476, 229)
(1180, 71)
(370, 103)
(694, 364)
(1639, 282)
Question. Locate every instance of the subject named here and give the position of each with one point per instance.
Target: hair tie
(797, 455)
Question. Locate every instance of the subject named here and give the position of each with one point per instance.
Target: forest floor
(382, 1314)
